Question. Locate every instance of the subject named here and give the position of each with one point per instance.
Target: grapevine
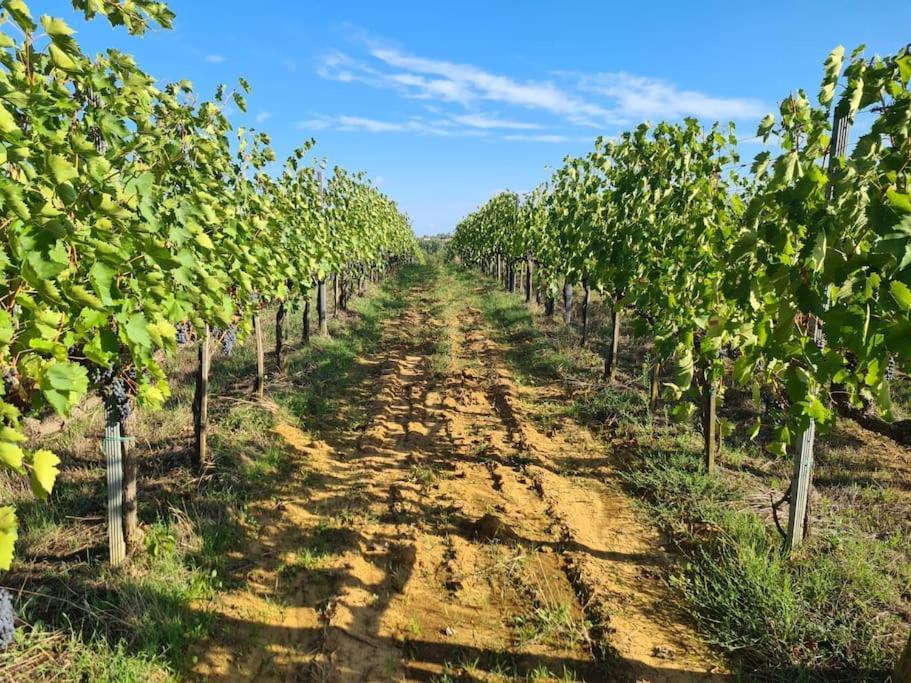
(132, 213)
(796, 276)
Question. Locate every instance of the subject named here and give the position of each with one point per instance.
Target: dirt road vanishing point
(442, 536)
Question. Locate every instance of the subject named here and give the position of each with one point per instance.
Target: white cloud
(420, 78)
(598, 100)
(215, 59)
(484, 121)
(369, 125)
(348, 123)
(263, 116)
(536, 138)
(313, 124)
(638, 97)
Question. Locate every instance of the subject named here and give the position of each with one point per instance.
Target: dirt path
(442, 537)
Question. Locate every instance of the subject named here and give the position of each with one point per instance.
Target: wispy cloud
(263, 116)
(215, 59)
(544, 137)
(420, 78)
(348, 123)
(638, 97)
(313, 124)
(487, 122)
(595, 100)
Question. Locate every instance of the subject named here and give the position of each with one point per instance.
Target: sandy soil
(444, 535)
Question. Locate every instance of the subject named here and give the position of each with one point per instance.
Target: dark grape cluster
(97, 138)
(228, 340)
(101, 377)
(851, 363)
(772, 402)
(890, 369)
(114, 389)
(729, 352)
(117, 398)
(10, 380)
(184, 333)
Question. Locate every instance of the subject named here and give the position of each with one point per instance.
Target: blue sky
(444, 104)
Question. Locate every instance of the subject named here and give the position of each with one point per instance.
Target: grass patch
(837, 610)
(86, 621)
(826, 612)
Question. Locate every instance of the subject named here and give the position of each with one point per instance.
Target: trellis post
(802, 479)
(113, 464)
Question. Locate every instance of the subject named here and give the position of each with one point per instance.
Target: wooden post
(610, 362)
(344, 291)
(550, 305)
(321, 306)
(279, 333)
(259, 386)
(709, 422)
(529, 267)
(567, 302)
(800, 488)
(335, 294)
(499, 268)
(802, 481)
(903, 668)
(130, 476)
(201, 404)
(654, 385)
(585, 299)
(306, 327)
(113, 463)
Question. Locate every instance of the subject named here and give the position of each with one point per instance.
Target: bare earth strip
(446, 536)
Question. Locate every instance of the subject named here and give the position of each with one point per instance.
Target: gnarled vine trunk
(306, 321)
(567, 302)
(321, 306)
(280, 333)
(529, 268)
(610, 361)
(585, 300)
(130, 477)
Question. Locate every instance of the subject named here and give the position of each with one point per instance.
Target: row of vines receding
(136, 218)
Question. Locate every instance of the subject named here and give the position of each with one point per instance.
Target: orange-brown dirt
(376, 562)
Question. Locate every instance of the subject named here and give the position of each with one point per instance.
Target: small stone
(663, 652)
(7, 619)
(449, 631)
(490, 528)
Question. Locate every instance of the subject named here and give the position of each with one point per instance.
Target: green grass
(60, 657)
(835, 611)
(825, 612)
(139, 622)
(552, 624)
